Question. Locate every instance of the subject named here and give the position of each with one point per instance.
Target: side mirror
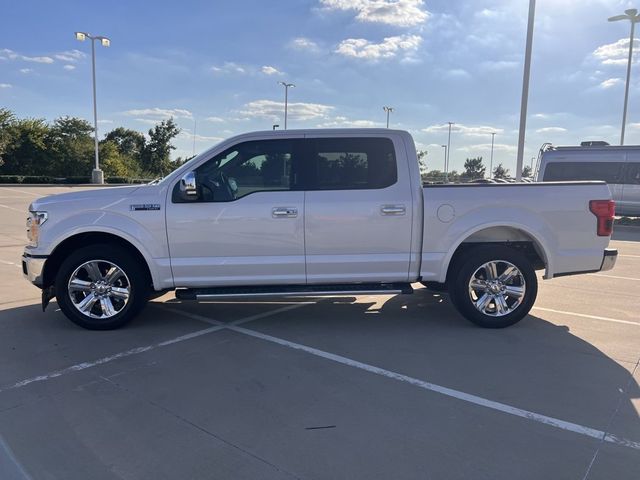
(188, 187)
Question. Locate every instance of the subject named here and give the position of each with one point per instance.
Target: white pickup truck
(309, 213)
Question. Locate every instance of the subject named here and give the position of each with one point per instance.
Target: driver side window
(249, 167)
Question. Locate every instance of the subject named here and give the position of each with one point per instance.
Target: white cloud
(401, 13)
(486, 147)
(11, 55)
(479, 131)
(269, 70)
(186, 134)
(5, 85)
(616, 53)
(551, 130)
(70, 55)
(610, 82)
(26, 70)
(458, 73)
(105, 121)
(69, 67)
(303, 43)
(344, 122)
(499, 65)
(634, 125)
(275, 110)
(388, 48)
(215, 119)
(229, 67)
(155, 114)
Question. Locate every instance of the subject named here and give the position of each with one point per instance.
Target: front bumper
(32, 268)
(609, 259)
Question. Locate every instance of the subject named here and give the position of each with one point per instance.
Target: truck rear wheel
(493, 287)
(101, 287)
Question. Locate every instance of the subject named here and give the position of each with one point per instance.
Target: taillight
(604, 210)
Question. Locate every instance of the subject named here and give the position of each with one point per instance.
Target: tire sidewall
(468, 265)
(139, 288)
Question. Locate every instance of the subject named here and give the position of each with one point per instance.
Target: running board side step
(293, 291)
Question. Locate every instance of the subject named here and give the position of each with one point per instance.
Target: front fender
(149, 238)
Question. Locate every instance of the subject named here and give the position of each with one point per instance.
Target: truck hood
(96, 198)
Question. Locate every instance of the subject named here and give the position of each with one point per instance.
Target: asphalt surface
(368, 387)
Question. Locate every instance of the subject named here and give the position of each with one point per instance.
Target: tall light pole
(445, 158)
(286, 100)
(96, 175)
(388, 110)
(447, 154)
(493, 136)
(633, 17)
(525, 89)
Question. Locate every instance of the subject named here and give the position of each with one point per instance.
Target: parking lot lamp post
(493, 136)
(286, 100)
(388, 110)
(633, 17)
(525, 90)
(97, 175)
(447, 154)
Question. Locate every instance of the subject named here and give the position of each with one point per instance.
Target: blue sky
(217, 63)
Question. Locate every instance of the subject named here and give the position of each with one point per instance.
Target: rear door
(358, 210)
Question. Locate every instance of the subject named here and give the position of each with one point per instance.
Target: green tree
(26, 151)
(156, 158)
(129, 142)
(500, 172)
(527, 171)
(7, 118)
(114, 163)
(71, 146)
(433, 176)
(422, 162)
(473, 168)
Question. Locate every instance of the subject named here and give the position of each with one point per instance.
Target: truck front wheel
(493, 287)
(101, 287)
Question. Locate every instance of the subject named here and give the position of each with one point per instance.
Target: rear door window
(610, 172)
(351, 163)
(632, 175)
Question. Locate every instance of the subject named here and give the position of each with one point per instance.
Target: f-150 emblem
(144, 206)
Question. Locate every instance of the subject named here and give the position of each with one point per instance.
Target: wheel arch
(83, 239)
(515, 236)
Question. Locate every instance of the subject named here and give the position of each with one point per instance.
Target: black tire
(136, 281)
(436, 286)
(470, 263)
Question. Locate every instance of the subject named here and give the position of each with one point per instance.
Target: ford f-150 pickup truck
(309, 213)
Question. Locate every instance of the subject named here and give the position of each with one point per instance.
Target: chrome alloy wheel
(497, 288)
(99, 289)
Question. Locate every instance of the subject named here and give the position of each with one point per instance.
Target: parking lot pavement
(347, 387)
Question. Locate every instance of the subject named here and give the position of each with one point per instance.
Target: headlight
(34, 221)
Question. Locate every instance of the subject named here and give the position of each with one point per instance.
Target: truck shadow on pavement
(534, 365)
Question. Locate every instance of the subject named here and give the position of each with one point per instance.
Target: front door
(246, 224)
(358, 211)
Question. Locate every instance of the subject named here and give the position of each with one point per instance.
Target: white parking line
(21, 191)
(630, 256)
(583, 315)
(137, 350)
(614, 276)
(21, 210)
(449, 392)
(101, 361)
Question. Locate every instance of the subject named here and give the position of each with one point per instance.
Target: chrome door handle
(393, 209)
(284, 212)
